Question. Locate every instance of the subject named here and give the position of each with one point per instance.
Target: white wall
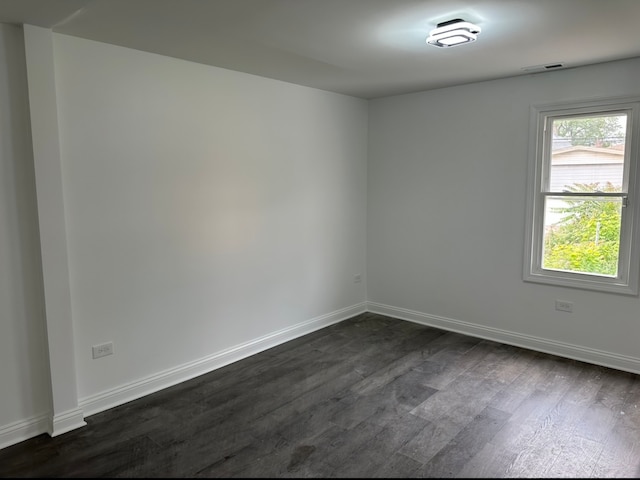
(24, 385)
(447, 181)
(205, 208)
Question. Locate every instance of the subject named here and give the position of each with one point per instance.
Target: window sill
(584, 282)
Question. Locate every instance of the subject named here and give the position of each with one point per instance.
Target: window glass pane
(588, 152)
(582, 234)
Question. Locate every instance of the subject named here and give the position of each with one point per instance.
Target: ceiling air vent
(542, 68)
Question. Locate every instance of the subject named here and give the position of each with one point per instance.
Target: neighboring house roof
(580, 154)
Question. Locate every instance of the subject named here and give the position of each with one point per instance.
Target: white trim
(45, 139)
(540, 116)
(575, 352)
(67, 421)
(22, 430)
(153, 383)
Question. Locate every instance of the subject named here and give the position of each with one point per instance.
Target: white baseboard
(17, 432)
(67, 421)
(153, 383)
(31, 427)
(575, 352)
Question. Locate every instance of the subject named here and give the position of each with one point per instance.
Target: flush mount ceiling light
(453, 32)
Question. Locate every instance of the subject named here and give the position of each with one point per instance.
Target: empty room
(319, 238)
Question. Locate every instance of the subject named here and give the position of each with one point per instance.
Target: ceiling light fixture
(453, 32)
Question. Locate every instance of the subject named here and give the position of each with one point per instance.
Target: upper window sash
(546, 139)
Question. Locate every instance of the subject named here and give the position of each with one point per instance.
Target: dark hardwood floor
(369, 397)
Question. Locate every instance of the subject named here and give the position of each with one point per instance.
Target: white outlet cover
(102, 350)
(564, 306)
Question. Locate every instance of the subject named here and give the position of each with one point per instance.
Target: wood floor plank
(460, 402)
(430, 440)
(389, 401)
(489, 462)
(542, 439)
(532, 374)
(454, 456)
(456, 362)
(620, 457)
(400, 366)
(398, 466)
(332, 450)
(577, 458)
(376, 452)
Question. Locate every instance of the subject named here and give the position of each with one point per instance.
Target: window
(582, 228)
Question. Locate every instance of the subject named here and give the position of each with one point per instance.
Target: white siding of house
(564, 175)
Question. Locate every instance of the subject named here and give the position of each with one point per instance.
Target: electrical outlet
(564, 306)
(357, 278)
(102, 350)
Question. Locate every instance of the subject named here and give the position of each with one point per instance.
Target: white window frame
(626, 282)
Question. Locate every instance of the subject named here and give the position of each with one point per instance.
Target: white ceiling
(365, 48)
